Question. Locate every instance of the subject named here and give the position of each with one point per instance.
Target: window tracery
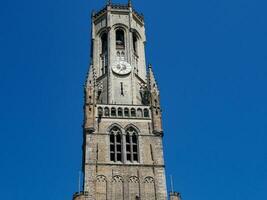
(131, 145)
(115, 144)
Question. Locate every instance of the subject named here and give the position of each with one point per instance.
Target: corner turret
(154, 103)
(89, 107)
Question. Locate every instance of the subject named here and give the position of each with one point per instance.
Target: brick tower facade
(122, 148)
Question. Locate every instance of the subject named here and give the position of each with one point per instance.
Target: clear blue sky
(210, 60)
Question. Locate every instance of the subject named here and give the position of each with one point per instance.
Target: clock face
(121, 68)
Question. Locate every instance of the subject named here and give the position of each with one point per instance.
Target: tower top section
(115, 7)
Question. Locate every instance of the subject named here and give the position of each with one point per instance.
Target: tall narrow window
(115, 144)
(128, 147)
(104, 43)
(118, 147)
(100, 111)
(126, 112)
(120, 112)
(113, 112)
(134, 146)
(122, 93)
(133, 112)
(139, 112)
(112, 146)
(131, 145)
(106, 111)
(146, 112)
(104, 54)
(135, 43)
(120, 42)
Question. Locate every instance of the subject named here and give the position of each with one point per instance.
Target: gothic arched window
(106, 111)
(146, 112)
(133, 112)
(149, 187)
(126, 112)
(101, 187)
(113, 112)
(104, 43)
(120, 41)
(120, 112)
(131, 145)
(104, 55)
(115, 144)
(100, 111)
(139, 112)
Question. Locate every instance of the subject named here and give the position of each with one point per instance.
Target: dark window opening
(128, 138)
(104, 42)
(104, 55)
(112, 147)
(128, 157)
(119, 157)
(112, 157)
(133, 113)
(120, 42)
(146, 112)
(134, 139)
(112, 139)
(113, 112)
(120, 112)
(122, 93)
(100, 111)
(135, 157)
(107, 111)
(128, 148)
(118, 139)
(126, 112)
(155, 102)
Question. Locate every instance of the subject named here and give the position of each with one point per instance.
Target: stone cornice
(115, 7)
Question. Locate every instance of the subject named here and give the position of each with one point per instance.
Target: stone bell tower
(122, 148)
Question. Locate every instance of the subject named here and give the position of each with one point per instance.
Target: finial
(108, 2)
(93, 13)
(129, 3)
(171, 183)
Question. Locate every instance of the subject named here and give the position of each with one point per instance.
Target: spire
(108, 2)
(154, 103)
(129, 3)
(90, 79)
(151, 80)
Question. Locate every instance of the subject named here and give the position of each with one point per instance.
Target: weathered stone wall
(145, 174)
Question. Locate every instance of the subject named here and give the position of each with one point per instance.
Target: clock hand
(121, 68)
